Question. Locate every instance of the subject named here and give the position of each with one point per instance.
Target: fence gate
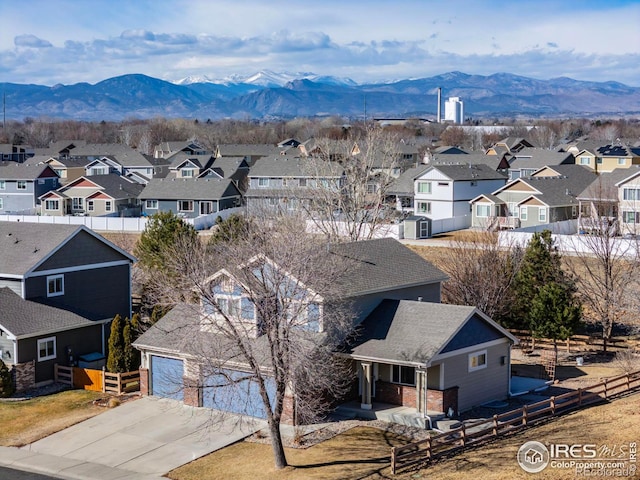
(88, 379)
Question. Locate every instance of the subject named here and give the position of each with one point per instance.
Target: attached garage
(167, 377)
(228, 391)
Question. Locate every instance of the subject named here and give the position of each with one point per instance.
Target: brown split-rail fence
(423, 451)
(575, 343)
(98, 380)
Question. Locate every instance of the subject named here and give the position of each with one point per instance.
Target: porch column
(421, 389)
(366, 385)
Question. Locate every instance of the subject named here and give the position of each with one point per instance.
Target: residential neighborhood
(228, 299)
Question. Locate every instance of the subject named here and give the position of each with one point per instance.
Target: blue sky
(68, 41)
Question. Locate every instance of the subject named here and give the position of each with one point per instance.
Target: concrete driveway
(146, 436)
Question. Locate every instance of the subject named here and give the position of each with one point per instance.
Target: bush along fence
(480, 431)
(98, 380)
(575, 343)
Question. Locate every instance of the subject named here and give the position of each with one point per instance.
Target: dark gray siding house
(36, 337)
(70, 281)
(21, 185)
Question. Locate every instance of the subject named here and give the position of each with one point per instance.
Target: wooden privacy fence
(98, 380)
(575, 343)
(481, 430)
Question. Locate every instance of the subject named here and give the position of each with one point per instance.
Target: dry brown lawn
(27, 421)
(363, 452)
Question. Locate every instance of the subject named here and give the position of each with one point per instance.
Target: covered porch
(391, 413)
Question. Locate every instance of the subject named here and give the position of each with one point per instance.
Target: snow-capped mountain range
(271, 95)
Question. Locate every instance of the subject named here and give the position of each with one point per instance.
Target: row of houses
(61, 285)
(499, 188)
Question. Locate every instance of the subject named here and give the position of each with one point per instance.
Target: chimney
(439, 116)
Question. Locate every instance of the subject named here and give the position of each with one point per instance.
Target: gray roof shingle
(188, 189)
(24, 318)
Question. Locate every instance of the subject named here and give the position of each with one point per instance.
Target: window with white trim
(483, 210)
(631, 217)
(542, 214)
(90, 205)
(477, 361)
(622, 161)
(3, 185)
(423, 207)
(185, 205)
(108, 206)
(403, 375)
(55, 285)
(151, 204)
(1, 204)
(263, 182)
(424, 187)
(77, 203)
(585, 160)
(51, 204)
(46, 349)
(21, 185)
(523, 213)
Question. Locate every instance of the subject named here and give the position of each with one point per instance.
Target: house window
(99, 171)
(477, 361)
(22, 185)
(51, 204)
(302, 182)
(185, 205)
(483, 210)
(424, 187)
(443, 184)
(423, 207)
(77, 203)
(90, 205)
(621, 161)
(631, 194)
(230, 306)
(523, 213)
(631, 217)
(55, 285)
(206, 208)
(151, 204)
(542, 214)
(46, 349)
(585, 161)
(273, 201)
(574, 211)
(513, 209)
(1, 203)
(598, 160)
(187, 173)
(403, 375)
(263, 182)
(3, 185)
(107, 206)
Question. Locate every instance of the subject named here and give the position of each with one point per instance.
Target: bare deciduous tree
(357, 208)
(481, 273)
(279, 340)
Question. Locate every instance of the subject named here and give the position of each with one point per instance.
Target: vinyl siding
(480, 386)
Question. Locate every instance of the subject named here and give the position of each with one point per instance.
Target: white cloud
(376, 41)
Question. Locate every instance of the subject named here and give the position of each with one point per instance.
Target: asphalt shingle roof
(24, 318)
(20, 171)
(406, 331)
(188, 189)
(23, 245)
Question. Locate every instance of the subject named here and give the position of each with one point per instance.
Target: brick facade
(405, 395)
(192, 392)
(144, 381)
(395, 394)
(442, 400)
(24, 375)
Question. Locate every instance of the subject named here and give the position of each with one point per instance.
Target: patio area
(390, 413)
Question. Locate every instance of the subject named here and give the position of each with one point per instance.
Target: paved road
(10, 474)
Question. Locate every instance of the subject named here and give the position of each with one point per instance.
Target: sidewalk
(66, 468)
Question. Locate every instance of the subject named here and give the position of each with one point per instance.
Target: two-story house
(444, 191)
(548, 196)
(60, 286)
(285, 183)
(21, 186)
(408, 349)
(95, 195)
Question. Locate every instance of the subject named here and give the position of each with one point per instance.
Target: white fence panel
(450, 224)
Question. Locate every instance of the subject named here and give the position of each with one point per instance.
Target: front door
(206, 208)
